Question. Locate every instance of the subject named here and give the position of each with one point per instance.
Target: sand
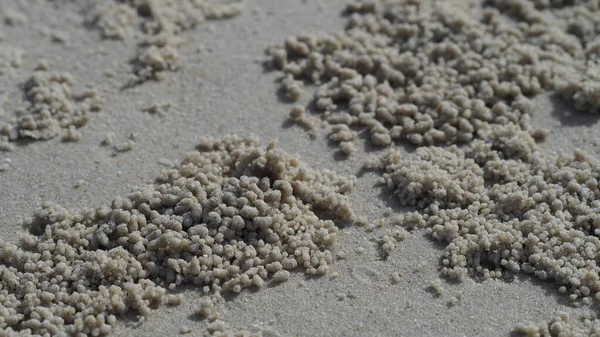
(223, 88)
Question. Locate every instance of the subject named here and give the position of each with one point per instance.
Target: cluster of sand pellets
(561, 325)
(232, 215)
(53, 110)
(156, 24)
(431, 72)
(539, 214)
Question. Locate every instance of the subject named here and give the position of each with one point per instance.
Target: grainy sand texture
(299, 168)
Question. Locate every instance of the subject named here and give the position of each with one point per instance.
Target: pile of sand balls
(53, 109)
(433, 73)
(157, 23)
(539, 214)
(232, 215)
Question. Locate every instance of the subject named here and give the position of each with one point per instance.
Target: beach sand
(222, 88)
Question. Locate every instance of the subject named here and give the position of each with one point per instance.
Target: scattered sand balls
(5, 145)
(156, 56)
(165, 162)
(10, 57)
(387, 242)
(115, 20)
(281, 276)
(559, 326)
(218, 326)
(432, 73)
(347, 148)
(72, 134)
(174, 300)
(185, 330)
(455, 299)
(158, 23)
(4, 166)
(395, 277)
(292, 88)
(160, 109)
(126, 146)
(583, 88)
(452, 301)
(54, 109)
(43, 65)
(207, 310)
(400, 234)
(232, 215)
(297, 112)
(110, 141)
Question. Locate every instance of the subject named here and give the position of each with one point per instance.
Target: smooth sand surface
(223, 88)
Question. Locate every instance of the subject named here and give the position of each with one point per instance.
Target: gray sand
(222, 88)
